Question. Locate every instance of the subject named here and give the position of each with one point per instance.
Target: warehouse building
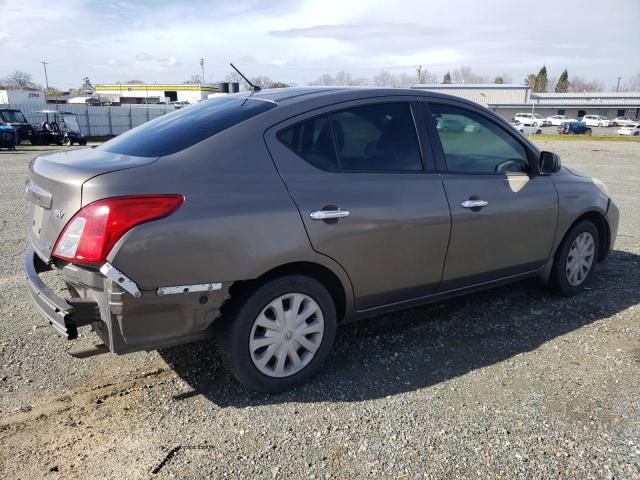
(508, 99)
(155, 93)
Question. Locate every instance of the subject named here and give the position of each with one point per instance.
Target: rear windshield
(186, 127)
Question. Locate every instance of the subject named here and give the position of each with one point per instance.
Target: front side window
(379, 137)
(477, 145)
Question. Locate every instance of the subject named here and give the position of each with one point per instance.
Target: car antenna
(254, 88)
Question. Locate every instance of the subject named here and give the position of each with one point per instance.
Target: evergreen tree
(446, 78)
(499, 80)
(541, 80)
(563, 83)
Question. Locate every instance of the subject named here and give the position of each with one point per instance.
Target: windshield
(602, 117)
(538, 116)
(13, 116)
(183, 128)
(71, 121)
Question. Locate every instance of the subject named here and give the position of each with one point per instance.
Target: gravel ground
(508, 383)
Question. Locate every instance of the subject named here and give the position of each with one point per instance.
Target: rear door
(368, 195)
(503, 218)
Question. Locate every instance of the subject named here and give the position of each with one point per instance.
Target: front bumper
(65, 316)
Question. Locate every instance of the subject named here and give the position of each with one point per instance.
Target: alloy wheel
(286, 335)
(580, 259)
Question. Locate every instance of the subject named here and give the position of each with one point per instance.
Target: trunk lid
(54, 189)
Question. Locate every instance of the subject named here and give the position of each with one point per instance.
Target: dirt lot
(509, 383)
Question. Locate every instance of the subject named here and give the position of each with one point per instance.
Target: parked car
(622, 121)
(630, 129)
(534, 119)
(15, 118)
(596, 121)
(8, 136)
(264, 220)
(576, 128)
(556, 120)
(528, 129)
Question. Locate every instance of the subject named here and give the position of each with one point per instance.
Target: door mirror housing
(549, 163)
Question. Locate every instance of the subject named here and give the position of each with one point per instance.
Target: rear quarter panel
(237, 222)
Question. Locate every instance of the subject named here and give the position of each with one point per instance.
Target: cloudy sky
(298, 40)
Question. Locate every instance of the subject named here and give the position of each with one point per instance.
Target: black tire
(558, 279)
(67, 142)
(234, 330)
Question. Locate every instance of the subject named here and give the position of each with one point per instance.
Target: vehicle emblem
(58, 213)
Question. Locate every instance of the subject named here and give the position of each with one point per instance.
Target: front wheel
(280, 334)
(575, 259)
(67, 142)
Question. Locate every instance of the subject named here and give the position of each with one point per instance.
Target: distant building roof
(149, 87)
(469, 85)
(585, 95)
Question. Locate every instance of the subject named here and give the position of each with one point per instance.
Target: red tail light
(93, 231)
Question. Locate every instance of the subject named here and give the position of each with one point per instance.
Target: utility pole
(46, 79)
(419, 70)
(618, 86)
(202, 66)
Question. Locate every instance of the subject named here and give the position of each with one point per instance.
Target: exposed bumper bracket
(115, 275)
(200, 287)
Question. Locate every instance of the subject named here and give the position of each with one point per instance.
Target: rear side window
(372, 138)
(186, 127)
(379, 137)
(313, 141)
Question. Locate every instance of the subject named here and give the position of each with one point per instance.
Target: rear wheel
(575, 259)
(280, 334)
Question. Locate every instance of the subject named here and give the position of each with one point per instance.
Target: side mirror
(549, 163)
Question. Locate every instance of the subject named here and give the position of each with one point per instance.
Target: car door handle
(474, 204)
(328, 214)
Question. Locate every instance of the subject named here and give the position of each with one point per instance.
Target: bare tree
(465, 74)
(579, 84)
(343, 78)
(194, 79)
(385, 79)
(20, 80)
(632, 84)
(324, 79)
(262, 81)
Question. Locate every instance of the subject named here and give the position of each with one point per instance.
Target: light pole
(46, 78)
(202, 66)
(618, 86)
(419, 70)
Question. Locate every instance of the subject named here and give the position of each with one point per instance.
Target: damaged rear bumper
(65, 316)
(126, 319)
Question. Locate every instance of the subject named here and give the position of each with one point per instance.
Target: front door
(357, 177)
(503, 218)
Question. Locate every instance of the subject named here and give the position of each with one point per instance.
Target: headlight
(602, 187)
